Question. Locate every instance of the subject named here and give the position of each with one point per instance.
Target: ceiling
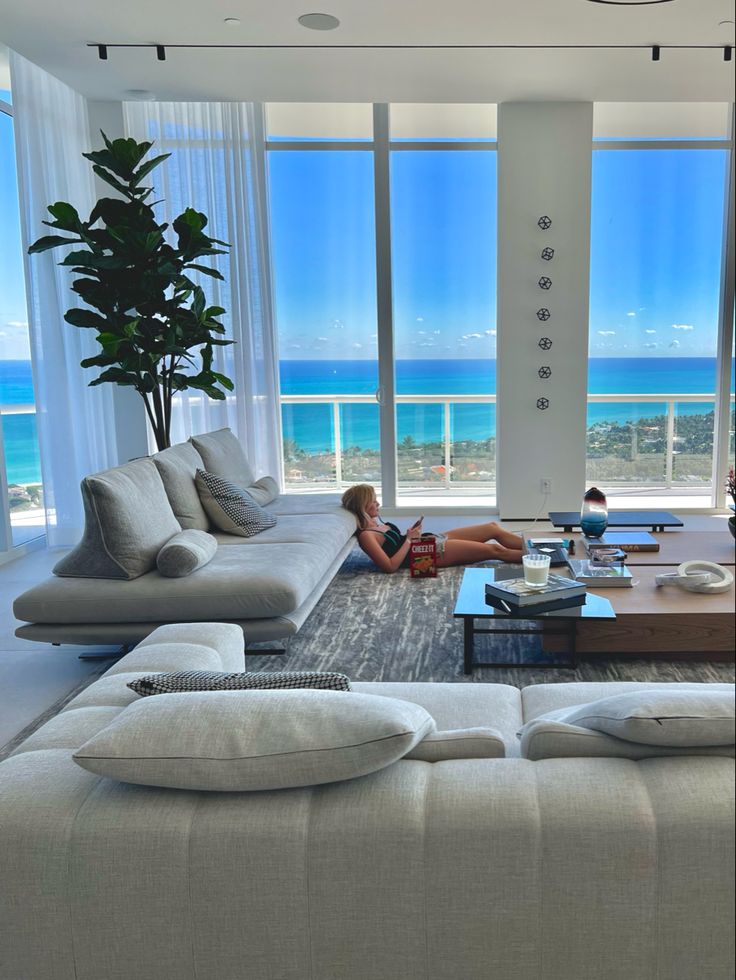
(54, 35)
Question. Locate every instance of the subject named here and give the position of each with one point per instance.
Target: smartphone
(417, 523)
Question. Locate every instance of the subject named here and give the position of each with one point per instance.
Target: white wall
(544, 168)
(130, 414)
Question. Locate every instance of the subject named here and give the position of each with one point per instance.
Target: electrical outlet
(545, 486)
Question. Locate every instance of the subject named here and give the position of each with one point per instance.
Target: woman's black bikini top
(392, 539)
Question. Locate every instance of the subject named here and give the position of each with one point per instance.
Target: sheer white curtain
(76, 431)
(217, 165)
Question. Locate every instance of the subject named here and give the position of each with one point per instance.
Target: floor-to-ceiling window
(440, 205)
(659, 186)
(21, 510)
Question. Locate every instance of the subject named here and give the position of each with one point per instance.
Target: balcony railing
(656, 455)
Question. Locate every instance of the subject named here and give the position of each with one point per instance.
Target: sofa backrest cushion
(459, 743)
(264, 491)
(185, 553)
(254, 740)
(230, 508)
(128, 519)
(177, 467)
(223, 455)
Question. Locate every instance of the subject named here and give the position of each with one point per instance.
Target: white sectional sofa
(268, 584)
(562, 869)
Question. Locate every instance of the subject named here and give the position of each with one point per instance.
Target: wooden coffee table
(659, 621)
(676, 547)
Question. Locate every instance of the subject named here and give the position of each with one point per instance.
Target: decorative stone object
(545, 372)
(543, 314)
(545, 282)
(545, 222)
(542, 404)
(548, 254)
(545, 343)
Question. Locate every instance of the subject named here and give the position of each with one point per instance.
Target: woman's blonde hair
(356, 499)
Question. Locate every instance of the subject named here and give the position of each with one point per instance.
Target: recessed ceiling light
(319, 22)
(141, 94)
(232, 21)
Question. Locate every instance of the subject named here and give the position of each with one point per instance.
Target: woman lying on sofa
(388, 548)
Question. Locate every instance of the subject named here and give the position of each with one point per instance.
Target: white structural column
(544, 168)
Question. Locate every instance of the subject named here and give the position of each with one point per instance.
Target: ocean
(310, 426)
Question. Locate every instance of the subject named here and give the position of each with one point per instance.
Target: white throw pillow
(678, 719)
(254, 740)
(635, 725)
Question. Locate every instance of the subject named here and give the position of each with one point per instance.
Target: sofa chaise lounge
(472, 868)
(268, 584)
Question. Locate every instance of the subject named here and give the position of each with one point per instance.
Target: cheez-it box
(423, 558)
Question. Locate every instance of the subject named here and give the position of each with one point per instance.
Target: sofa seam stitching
(69, 871)
(189, 887)
(656, 973)
(307, 880)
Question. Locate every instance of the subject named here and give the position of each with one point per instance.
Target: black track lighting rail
(656, 49)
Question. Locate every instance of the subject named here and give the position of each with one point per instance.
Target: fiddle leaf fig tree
(155, 330)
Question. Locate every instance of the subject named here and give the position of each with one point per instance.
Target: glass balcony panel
(309, 445)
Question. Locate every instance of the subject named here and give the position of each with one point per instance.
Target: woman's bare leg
(462, 552)
(491, 531)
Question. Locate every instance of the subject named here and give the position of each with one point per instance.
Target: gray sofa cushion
(548, 738)
(128, 518)
(213, 680)
(185, 553)
(459, 743)
(254, 740)
(230, 508)
(673, 718)
(178, 467)
(223, 455)
(264, 491)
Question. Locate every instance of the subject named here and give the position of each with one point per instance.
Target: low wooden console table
(675, 547)
(656, 620)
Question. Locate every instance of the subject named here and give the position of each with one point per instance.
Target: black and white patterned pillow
(229, 507)
(214, 680)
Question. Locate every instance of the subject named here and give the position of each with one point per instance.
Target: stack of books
(514, 596)
(625, 540)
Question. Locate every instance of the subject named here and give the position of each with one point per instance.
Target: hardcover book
(625, 540)
(615, 576)
(516, 592)
(539, 608)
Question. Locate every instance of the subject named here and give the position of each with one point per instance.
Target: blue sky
(655, 260)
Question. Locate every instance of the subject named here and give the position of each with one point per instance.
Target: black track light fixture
(655, 52)
(161, 52)
(102, 51)
(727, 53)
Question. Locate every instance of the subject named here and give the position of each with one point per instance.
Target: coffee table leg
(468, 634)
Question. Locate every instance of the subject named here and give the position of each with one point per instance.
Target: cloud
(295, 346)
(650, 331)
(16, 324)
(490, 333)
(650, 346)
(674, 343)
(428, 343)
(472, 336)
(357, 346)
(322, 340)
(436, 332)
(420, 319)
(631, 313)
(682, 326)
(606, 333)
(421, 333)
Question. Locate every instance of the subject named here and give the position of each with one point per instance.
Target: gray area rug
(378, 627)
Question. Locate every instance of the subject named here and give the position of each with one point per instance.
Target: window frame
(724, 337)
